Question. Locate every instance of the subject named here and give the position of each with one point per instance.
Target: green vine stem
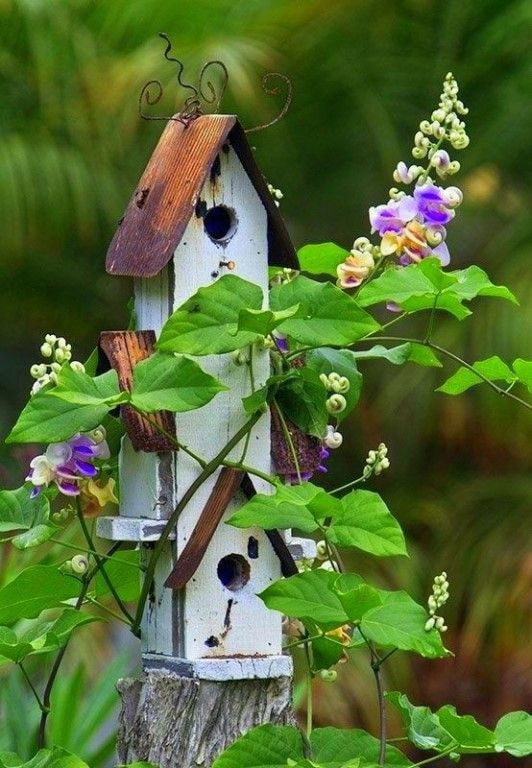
(204, 475)
(46, 699)
(100, 563)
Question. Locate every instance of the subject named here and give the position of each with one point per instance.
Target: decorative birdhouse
(202, 208)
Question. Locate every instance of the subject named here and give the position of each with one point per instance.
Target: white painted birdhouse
(202, 208)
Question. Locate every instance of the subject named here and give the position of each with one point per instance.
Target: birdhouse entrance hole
(220, 223)
(234, 572)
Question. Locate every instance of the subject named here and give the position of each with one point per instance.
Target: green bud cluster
(444, 125)
(54, 348)
(285, 275)
(438, 598)
(333, 382)
(376, 462)
(275, 193)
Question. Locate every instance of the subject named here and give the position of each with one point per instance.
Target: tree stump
(179, 722)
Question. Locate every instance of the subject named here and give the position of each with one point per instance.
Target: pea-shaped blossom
(413, 226)
(68, 464)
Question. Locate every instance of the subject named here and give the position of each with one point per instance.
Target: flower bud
(35, 371)
(61, 342)
(328, 675)
(430, 624)
(46, 349)
(77, 366)
(321, 550)
(79, 564)
(453, 197)
(59, 355)
(336, 404)
(51, 338)
(240, 356)
(332, 438)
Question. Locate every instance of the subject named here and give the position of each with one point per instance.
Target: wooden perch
(124, 349)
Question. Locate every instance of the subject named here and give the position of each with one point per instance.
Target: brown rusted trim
(187, 564)
(124, 349)
(166, 195)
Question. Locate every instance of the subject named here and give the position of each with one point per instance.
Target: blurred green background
(72, 148)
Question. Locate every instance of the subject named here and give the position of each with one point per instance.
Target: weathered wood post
(212, 655)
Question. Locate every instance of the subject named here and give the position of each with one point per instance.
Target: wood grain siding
(124, 349)
(165, 199)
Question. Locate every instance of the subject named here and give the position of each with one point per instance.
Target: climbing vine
(320, 334)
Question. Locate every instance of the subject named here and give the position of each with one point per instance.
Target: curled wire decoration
(152, 92)
(274, 91)
(213, 97)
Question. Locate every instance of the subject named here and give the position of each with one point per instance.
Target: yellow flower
(355, 269)
(95, 496)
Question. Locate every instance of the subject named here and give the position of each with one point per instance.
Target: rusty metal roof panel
(164, 201)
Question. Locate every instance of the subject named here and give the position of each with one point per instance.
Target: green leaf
(302, 398)
(37, 535)
(422, 725)
(308, 595)
(472, 737)
(513, 734)
(33, 590)
(358, 600)
(81, 389)
(366, 523)
(327, 317)
(207, 323)
(168, 383)
(400, 622)
(268, 746)
(19, 511)
(49, 419)
(291, 506)
(395, 355)
(42, 637)
(321, 258)
(336, 745)
(493, 368)
(45, 758)
(523, 370)
(123, 570)
(423, 355)
(263, 321)
(325, 651)
(343, 362)
(426, 286)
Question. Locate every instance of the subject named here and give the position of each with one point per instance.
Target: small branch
(457, 359)
(345, 487)
(112, 613)
(206, 472)
(100, 563)
(93, 552)
(33, 689)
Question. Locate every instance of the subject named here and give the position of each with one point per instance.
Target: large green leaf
(471, 736)
(327, 317)
(358, 600)
(302, 398)
(400, 622)
(263, 321)
(523, 370)
(49, 419)
(366, 523)
(207, 323)
(426, 286)
(422, 725)
(513, 734)
(291, 506)
(321, 258)
(81, 389)
(45, 758)
(268, 746)
(308, 595)
(42, 637)
(335, 745)
(492, 368)
(167, 383)
(343, 362)
(18, 511)
(33, 590)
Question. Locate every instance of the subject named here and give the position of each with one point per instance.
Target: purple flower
(393, 216)
(68, 463)
(432, 205)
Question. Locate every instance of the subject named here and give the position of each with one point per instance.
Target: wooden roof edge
(139, 250)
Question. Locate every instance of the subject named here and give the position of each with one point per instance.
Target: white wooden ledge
(222, 669)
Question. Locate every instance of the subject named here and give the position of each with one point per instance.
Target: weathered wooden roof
(165, 199)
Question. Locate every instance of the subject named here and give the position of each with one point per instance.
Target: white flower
(332, 439)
